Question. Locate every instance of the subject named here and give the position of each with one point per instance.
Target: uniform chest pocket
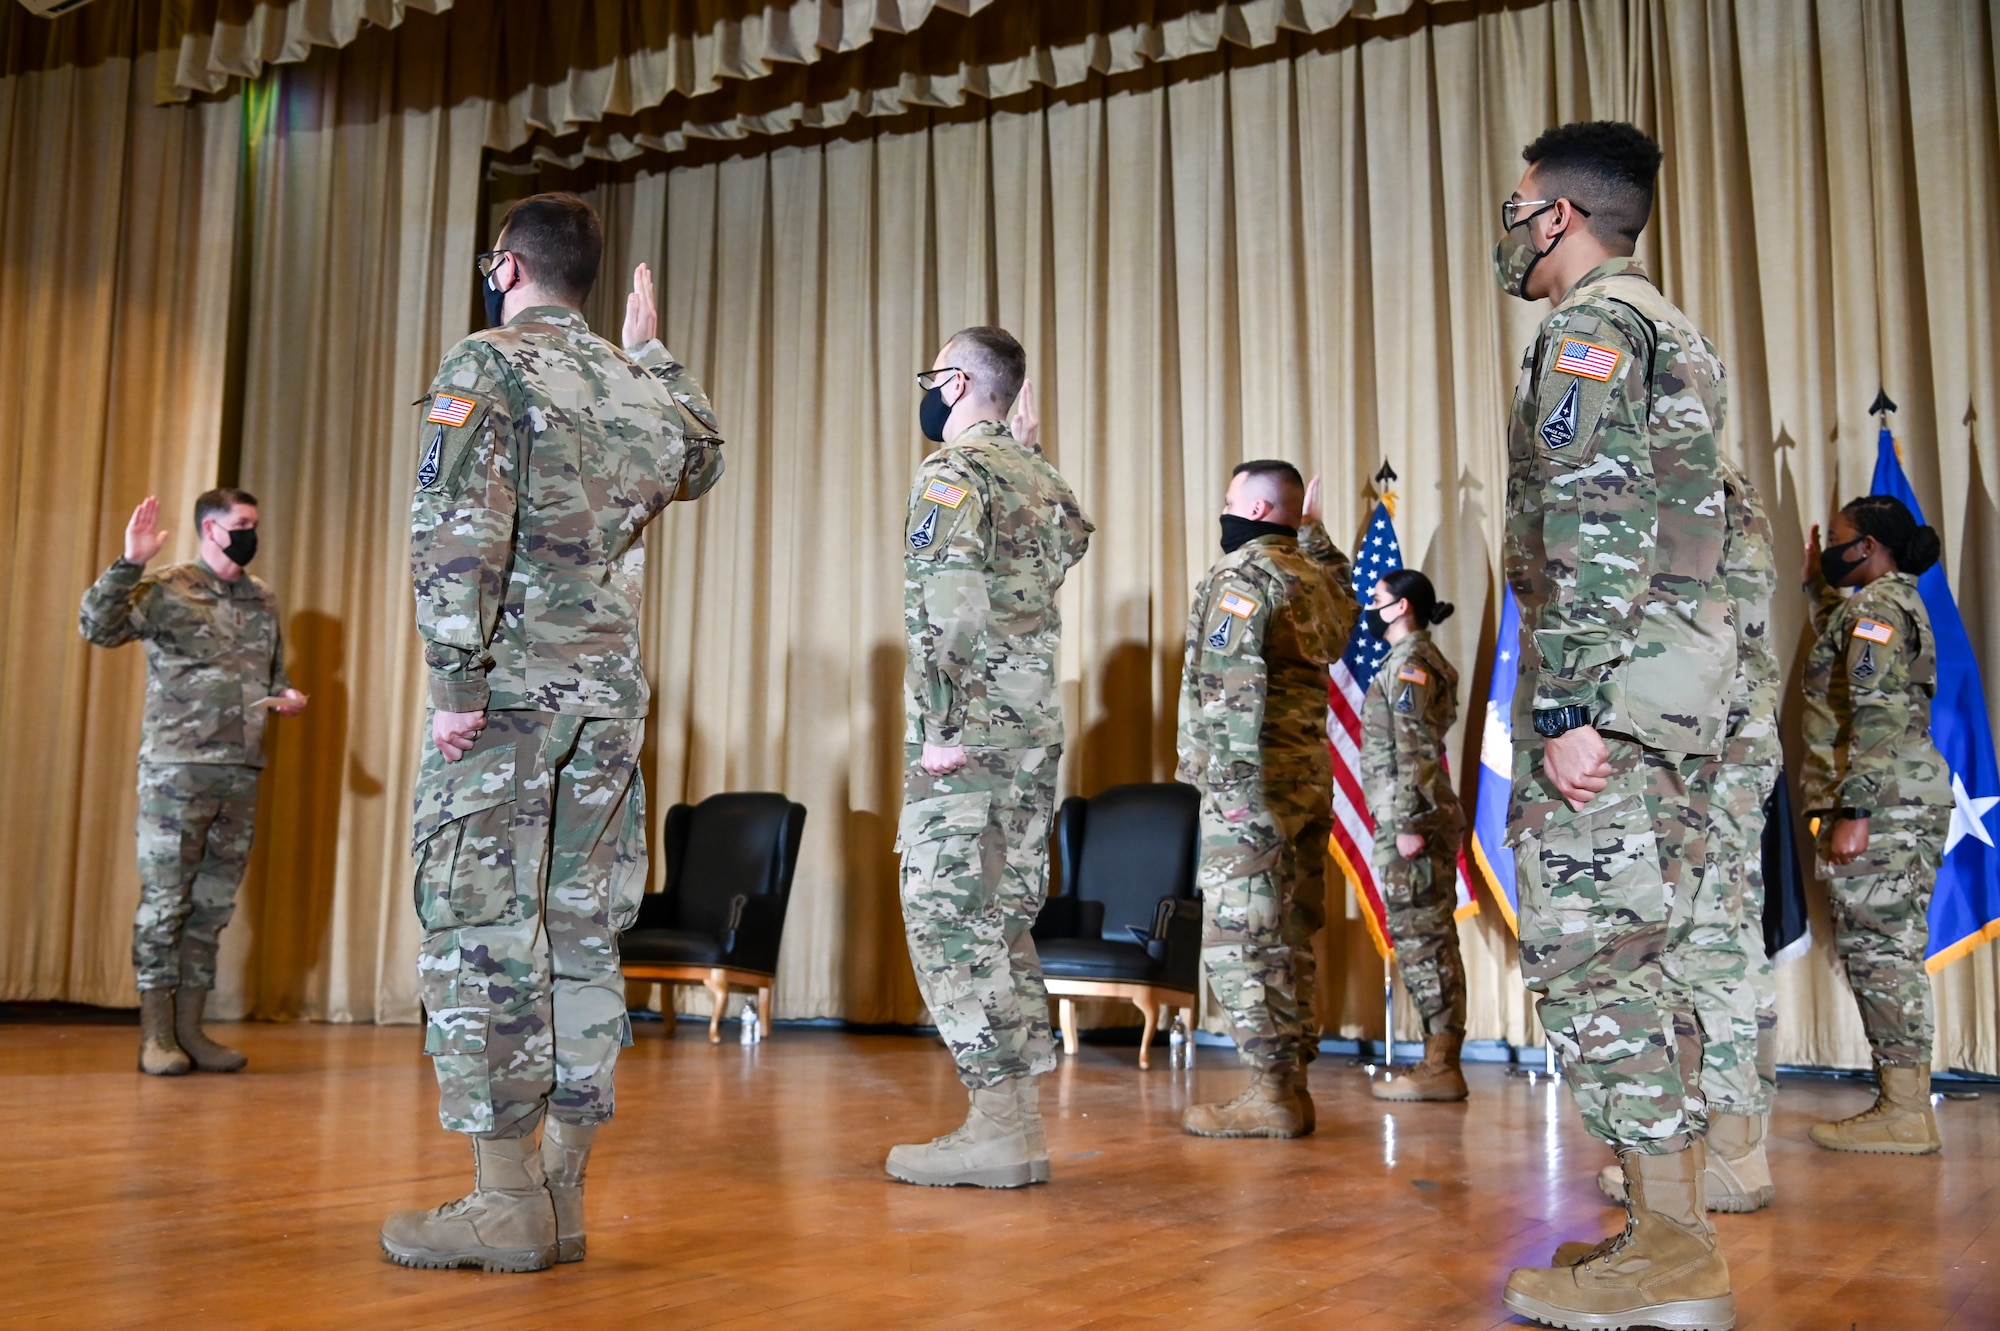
(465, 851)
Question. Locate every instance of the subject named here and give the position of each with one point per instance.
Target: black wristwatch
(1553, 721)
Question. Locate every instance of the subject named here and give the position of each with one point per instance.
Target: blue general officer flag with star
(1496, 763)
(1965, 907)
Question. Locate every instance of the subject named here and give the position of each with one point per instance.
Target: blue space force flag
(1496, 764)
(1965, 908)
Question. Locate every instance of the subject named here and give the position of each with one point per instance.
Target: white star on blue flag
(1380, 553)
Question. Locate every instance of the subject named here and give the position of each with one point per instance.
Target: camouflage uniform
(1735, 991)
(213, 647)
(992, 530)
(1868, 686)
(1410, 708)
(1614, 549)
(1267, 621)
(545, 452)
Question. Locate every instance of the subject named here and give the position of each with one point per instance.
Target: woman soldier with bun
(1882, 797)
(1404, 719)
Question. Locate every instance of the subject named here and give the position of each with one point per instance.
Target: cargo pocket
(941, 861)
(455, 1039)
(465, 842)
(628, 874)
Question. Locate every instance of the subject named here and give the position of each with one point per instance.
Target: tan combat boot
(1268, 1107)
(1028, 1099)
(159, 1055)
(990, 1150)
(1900, 1123)
(565, 1152)
(1438, 1077)
(208, 1056)
(1664, 1270)
(506, 1223)
(1738, 1177)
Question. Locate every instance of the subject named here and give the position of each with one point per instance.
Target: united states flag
(1353, 843)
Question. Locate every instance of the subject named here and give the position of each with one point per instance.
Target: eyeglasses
(1511, 211)
(485, 263)
(930, 379)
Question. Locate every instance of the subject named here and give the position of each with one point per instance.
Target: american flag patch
(1241, 606)
(447, 409)
(1588, 359)
(941, 492)
(1874, 630)
(1414, 675)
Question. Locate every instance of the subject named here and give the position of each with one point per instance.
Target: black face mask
(932, 413)
(1237, 532)
(241, 546)
(1835, 566)
(1377, 626)
(495, 300)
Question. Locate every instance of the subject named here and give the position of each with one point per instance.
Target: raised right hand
(1811, 574)
(143, 537)
(1309, 514)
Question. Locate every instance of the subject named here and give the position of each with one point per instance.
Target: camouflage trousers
(530, 858)
(1603, 947)
(1263, 886)
(975, 847)
(1420, 899)
(196, 821)
(1735, 990)
(1881, 926)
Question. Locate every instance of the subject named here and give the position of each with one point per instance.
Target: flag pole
(1388, 1013)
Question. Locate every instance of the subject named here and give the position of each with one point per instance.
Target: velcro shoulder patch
(1237, 604)
(1874, 630)
(945, 493)
(450, 410)
(1414, 674)
(1588, 360)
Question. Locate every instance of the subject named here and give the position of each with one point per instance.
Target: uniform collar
(560, 316)
(220, 584)
(984, 430)
(1625, 265)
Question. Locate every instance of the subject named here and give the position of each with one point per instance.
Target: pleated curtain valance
(615, 79)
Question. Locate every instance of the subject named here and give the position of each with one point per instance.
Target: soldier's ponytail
(1407, 584)
(1913, 546)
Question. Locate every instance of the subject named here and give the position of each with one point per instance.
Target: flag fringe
(1493, 886)
(1382, 945)
(1963, 948)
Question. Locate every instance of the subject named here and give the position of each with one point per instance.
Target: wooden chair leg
(1145, 1006)
(1066, 1011)
(764, 1011)
(718, 998)
(669, 1015)
(1165, 1021)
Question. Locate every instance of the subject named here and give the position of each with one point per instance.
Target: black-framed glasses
(930, 379)
(1511, 212)
(484, 264)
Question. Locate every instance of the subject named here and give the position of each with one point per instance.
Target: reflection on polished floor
(742, 1187)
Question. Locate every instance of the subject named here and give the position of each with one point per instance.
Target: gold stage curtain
(1276, 247)
(116, 250)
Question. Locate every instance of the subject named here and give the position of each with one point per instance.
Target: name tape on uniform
(943, 492)
(1874, 630)
(450, 409)
(1240, 606)
(1414, 674)
(1587, 359)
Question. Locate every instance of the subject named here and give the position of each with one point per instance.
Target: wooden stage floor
(743, 1188)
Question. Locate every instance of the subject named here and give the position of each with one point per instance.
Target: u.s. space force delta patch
(1559, 426)
(427, 470)
(925, 534)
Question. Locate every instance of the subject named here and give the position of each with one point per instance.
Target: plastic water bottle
(1180, 1050)
(753, 1030)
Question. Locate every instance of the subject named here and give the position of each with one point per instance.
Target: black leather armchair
(1128, 924)
(721, 918)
